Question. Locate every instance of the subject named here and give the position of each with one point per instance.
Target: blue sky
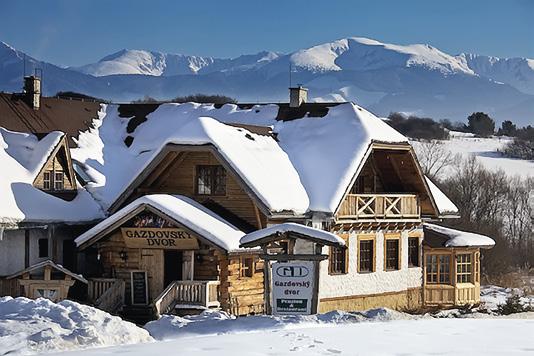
(74, 32)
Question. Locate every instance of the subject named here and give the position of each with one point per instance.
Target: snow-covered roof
(22, 156)
(315, 234)
(51, 264)
(308, 167)
(457, 238)
(445, 206)
(184, 211)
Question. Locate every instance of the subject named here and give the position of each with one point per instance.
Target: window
(366, 256)
(463, 268)
(46, 180)
(392, 254)
(43, 248)
(438, 269)
(53, 180)
(211, 180)
(58, 181)
(338, 260)
(413, 251)
(246, 267)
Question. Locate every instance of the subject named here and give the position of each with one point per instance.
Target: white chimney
(32, 89)
(297, 96)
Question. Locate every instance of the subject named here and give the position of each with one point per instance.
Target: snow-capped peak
(128, 61)
(357, 53)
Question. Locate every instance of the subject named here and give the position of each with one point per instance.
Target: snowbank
(492, 296)
(33, 326)
(214, 322)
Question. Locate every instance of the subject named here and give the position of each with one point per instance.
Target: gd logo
(292, 271)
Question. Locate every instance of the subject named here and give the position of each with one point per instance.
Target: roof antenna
(24, 68)
(290, 74)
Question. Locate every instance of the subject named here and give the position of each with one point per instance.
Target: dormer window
(58, 181)
(211, 180)
(46, 180)
(53, 180)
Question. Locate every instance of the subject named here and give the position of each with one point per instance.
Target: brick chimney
(297, 96)
(32, 91)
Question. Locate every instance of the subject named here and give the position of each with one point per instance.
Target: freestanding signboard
(292, 287)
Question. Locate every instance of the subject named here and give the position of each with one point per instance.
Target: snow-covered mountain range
(418, 79)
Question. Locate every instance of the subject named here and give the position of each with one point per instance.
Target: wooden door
(173, 266)
(152, 263)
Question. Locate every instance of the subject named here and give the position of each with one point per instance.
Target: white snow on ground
(217, 323)
(485, 150)
(33, 326)
(391, 333)
(29, 327)
(493, 296)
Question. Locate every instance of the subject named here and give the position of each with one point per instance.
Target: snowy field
(31, 327)
(402, 337)
(486, 152)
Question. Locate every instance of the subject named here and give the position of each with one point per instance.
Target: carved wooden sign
(148, 230)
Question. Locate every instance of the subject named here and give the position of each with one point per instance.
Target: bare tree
(434, 157)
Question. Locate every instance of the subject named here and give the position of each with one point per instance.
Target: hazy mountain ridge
(417, 79)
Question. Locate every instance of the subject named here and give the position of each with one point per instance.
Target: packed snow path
(400, 337)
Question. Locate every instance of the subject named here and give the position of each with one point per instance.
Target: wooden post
(316, 269)
(192, 269)
(267, 282)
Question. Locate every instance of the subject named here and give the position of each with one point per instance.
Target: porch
(109, 294)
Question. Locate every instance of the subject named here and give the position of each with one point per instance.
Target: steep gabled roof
(42, 265)
(69, 116)
(22, 157)
(177, 208)
(316, 157)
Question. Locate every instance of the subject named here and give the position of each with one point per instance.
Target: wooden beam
(299, 257)
(170, 168)
(167, 161)
(257, 214)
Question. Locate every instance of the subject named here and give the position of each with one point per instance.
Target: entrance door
(173, 266)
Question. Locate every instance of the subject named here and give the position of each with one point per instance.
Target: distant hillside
(417, 79)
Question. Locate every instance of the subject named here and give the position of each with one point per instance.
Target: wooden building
(42, 210)
(330, 188)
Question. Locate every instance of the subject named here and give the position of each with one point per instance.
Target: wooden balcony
(380, 207)
(188, 293)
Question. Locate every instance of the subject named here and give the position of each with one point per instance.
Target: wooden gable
(176, 173)
(57, 175)
(391, 169)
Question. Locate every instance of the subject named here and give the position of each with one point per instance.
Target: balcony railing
(380, 206)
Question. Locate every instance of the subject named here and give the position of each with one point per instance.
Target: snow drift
(33, 326)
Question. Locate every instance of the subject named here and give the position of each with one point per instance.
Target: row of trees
(197, 98)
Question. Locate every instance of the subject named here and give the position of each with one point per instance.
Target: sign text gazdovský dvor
(161, 238)
(292, 287)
